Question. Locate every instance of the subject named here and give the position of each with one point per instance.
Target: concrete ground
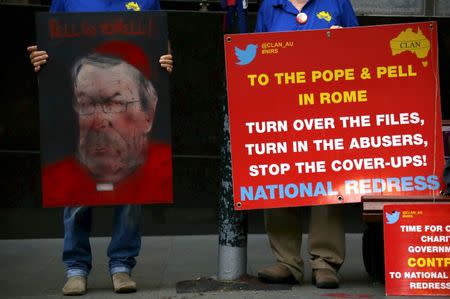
(33, 269)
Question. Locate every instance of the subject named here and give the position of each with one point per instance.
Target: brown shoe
(277, 273)
(123, 283)
(325, 279)
(75, 285)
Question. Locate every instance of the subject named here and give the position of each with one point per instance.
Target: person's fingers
(40, 62)
(39, 58)
(166, 59)
(166, 56)
(166, 63)
(36, 54)
(335, 27)
(168, 67)
(32, 48)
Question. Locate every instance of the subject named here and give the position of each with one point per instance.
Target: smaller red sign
(417, 249)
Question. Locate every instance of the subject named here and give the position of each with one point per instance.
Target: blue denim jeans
(122, 250)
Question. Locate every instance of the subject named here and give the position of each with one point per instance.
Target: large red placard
(325, 116)
(417, 249)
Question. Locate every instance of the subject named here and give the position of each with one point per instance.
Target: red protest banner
(325, 116)
(417, 249)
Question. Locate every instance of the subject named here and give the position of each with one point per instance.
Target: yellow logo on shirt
(324, 15)
(133, 6)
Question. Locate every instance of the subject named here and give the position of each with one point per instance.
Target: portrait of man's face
(115, 105)
(104, 104)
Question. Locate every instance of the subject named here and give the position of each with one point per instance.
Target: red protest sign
(417, 249)
(325, 116)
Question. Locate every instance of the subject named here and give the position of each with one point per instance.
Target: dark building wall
(197, 89)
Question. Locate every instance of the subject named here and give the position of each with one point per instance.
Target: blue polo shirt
(281, 15)
(103, 5)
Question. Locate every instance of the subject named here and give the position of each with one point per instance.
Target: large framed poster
(104, 109)
(325, 116)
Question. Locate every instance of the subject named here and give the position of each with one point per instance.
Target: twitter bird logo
(392, 217)
(245, 56)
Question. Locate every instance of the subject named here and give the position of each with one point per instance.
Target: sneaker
(123, 283)
(277, 273)
(325, 279)
(75, 285)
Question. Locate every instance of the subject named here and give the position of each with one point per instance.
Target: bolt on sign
(326, 116)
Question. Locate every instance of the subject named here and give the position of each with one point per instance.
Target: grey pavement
(33, 269)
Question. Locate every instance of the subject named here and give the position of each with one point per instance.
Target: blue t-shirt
(103, 5)
(281, 15)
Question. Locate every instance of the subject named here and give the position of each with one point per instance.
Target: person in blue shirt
(126, 236)
(326, 239)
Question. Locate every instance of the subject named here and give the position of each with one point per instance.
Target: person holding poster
(284, 226)
(126, 236)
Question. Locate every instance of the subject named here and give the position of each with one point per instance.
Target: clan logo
(410, 41)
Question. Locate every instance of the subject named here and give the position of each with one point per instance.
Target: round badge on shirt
(302, 18)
